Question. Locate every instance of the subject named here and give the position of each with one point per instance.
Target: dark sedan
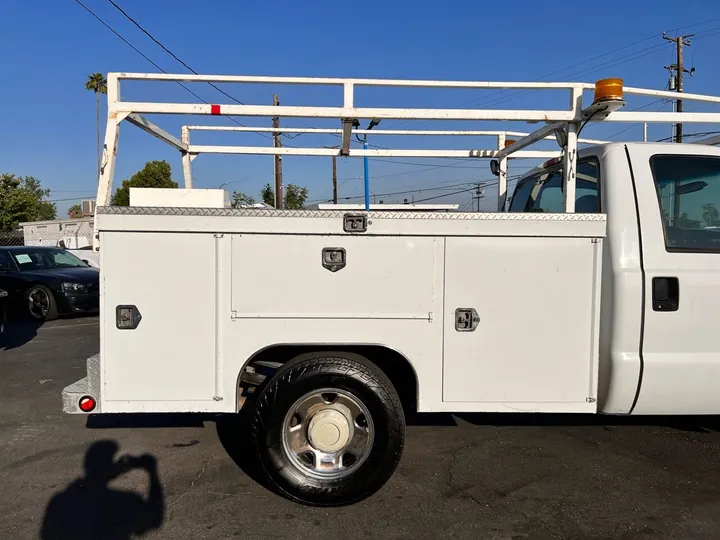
(45, 282)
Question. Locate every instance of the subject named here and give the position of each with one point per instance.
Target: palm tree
(75, 211)
(98, 84)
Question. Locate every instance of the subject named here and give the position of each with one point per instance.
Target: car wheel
(40, 303)
(328, 429)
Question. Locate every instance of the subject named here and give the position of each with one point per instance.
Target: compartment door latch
(466, 319)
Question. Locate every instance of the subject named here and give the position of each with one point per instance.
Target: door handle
(665, 294)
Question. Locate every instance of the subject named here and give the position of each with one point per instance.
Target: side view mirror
(85, 261)
(495, 167)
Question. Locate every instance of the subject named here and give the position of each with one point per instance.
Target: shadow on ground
(232, 429)
(696, 424)
(18, 332)
(89, 509)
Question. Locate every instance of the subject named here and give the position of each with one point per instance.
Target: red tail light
(87, 404)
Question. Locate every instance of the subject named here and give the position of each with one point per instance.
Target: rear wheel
(40, 303)
(328, 429)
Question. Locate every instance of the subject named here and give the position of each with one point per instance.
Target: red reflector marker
(214, 109)
(86, 404)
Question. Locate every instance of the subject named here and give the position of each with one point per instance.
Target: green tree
(710, 215)
(75, 211)
(240, 199)
(155, 174)
(22, 198)
(267, 194)
(294, 197)
(98, 84)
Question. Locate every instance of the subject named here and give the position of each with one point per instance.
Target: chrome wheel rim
(38, 303)
(327, 433)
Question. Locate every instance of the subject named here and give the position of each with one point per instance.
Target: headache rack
(563, 125)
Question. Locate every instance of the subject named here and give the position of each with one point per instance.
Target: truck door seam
(642, 278)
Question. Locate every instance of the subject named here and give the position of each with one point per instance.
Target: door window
(688, 189)
(5, 261)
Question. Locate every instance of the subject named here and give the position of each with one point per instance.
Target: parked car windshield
(42, 259)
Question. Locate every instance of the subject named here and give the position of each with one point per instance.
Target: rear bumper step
(87, 386)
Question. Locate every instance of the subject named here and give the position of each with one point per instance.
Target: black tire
(347, 372)
(51, 312)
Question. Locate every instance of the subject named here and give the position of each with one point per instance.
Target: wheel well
(396, 366)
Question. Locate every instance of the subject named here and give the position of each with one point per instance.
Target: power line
(133, 47)
(588, 70)
(445, 195)
(164, 48)
(627, 58)
(545, 76)
(68, 190)
(703, 36)
(700, 134)
(638, 123)
(435, 187)
(614, 62)
(186, 65)
(80, 197)
(405, 192)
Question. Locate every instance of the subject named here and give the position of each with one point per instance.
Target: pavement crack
(454, 455)
(466, 493)
(537, 523)
(192, 484)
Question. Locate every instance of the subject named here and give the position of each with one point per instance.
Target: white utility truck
(595, 290)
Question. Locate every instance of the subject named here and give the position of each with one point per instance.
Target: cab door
(678, 198)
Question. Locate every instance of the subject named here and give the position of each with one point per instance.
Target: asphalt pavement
(466, 477)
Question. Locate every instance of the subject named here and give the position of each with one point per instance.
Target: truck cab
(661, 269)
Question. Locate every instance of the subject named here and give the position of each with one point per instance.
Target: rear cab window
(543, 192)
(688, 189)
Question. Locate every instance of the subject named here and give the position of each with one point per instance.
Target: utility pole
(334, 175)
(676, 79)
(277, 143)
(335, 193)
(479, 194)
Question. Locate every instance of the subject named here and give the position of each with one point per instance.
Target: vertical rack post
(570, 150)
(569, 164)
(107, 163)
(502, 177)
(366, 175)
(186, 165)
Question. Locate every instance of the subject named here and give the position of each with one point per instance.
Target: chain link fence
(12, 238)
(53, 239)
(73, 235)
(70, 234)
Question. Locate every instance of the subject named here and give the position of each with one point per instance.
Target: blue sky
(50, 47)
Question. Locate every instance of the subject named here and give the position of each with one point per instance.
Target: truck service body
(593, 290)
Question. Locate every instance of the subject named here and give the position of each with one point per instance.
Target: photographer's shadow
(89, 509)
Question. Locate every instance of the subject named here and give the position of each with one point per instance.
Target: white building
(74, 233)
